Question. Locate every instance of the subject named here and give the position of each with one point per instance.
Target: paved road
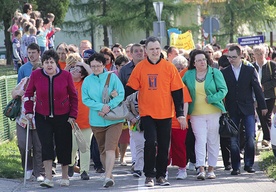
(224, 182)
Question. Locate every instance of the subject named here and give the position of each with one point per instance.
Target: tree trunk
(231, 34)
(105, 31)
(147, 13)
(7, 41)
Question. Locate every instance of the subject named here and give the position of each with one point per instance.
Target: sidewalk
(224, 182)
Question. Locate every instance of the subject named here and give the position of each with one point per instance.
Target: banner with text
(182, 41)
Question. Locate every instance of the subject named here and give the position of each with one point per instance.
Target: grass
(10, 161)
(7, 70)
(268, 163)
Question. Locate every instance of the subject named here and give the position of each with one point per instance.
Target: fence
(7, 127)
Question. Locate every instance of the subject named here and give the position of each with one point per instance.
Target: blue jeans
(249, 149)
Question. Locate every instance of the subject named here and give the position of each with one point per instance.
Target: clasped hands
(106, 108)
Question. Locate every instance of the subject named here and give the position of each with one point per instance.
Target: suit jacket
(268, 80)
(240, 93)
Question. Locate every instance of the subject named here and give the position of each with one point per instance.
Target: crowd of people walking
(175, 98)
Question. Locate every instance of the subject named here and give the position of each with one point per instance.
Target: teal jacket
(215, 87)
(92, 89)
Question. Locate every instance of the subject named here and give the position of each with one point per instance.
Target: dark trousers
(225, 150)
(190, 144)
(266, 120)
(249, 149)
(57, 126)
(157, 133)
(95, 154)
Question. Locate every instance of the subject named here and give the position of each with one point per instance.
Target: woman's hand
(133, 121)
(105, 109)
(29, 116)
(114, 93)
(71, 120)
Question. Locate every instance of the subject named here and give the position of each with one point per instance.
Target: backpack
(13, 108)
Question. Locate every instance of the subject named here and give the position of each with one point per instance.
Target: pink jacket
(56, 96)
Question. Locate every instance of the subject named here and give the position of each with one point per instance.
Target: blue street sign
(253, 40)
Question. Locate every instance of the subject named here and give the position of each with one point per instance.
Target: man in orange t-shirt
(160, 89)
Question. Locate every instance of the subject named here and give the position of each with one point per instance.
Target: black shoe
(70, 171)
(137, 173)
(249, 169)
(54, 171)
(84, 176)
(235, 172)
(100, 170)
(228, 168)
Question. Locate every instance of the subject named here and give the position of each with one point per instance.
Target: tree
(8, 7)
(120, 14)
(233, 14)
(58, 8)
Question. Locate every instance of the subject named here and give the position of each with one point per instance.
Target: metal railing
(7, 127)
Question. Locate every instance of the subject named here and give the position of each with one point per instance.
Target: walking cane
(26, 151)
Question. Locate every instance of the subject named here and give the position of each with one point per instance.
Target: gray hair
(180, 60)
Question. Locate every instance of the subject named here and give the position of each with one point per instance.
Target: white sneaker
(64, 182)
(29, 174)
(182, 174)
(40, 178)
(47, 183)
(211, 175)
(191, 166)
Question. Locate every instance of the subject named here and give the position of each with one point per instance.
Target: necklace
(200, 80)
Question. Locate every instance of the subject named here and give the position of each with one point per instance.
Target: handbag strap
(107, 80)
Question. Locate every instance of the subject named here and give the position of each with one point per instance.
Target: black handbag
(227, 128)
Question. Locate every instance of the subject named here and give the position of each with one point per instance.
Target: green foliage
(268, 163)
(120, 15)
(255, 14)
(58, 8)
(10, 162)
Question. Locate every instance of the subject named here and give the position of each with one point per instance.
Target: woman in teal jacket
(107, 132)
(207, 88)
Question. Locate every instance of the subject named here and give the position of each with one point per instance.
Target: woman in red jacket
(56, 104)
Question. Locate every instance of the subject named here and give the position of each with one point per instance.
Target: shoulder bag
(83, 147)
(120, 112)
(13, 108)
(227, 128)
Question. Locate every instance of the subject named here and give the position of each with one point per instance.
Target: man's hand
(182, 121)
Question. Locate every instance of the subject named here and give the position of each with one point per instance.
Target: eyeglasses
(201, 60)
(232, 57)
(74, 69)
(96, 66)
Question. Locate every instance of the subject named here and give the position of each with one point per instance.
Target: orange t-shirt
(187, 99)
(83, 111)
(108, 66)
(155, 84)
(182, 73)
(62, 64)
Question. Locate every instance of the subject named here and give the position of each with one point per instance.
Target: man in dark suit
(242, 83)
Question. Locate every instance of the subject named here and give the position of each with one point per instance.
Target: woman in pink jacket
(56, 104)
